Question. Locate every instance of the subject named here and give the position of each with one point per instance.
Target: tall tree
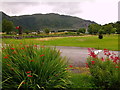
(94, 28)
(81, 30)
(47, 30)
(7, 26)
(117, 26)
(108, 28)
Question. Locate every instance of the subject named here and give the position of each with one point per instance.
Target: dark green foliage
(113, 30)
(81, 30)
(7, 26)
(105, 71)
(32, 66)
(108, 28)
(117, 26)
(101, 31)
(94, 28)
(27, 31)
(47, 30)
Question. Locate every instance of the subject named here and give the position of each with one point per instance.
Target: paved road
(77, 55)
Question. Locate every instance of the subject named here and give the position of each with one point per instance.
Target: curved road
(77, 56)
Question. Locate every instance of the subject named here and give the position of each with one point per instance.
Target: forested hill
(51, 20)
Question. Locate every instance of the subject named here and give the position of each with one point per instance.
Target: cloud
(65, 7)
(14, 8)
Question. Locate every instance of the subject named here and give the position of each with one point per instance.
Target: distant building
(119, 11)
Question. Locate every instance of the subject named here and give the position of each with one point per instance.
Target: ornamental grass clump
(33, 66)
(105, 71)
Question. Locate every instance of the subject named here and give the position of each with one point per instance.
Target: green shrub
(105, 71)
(32, 66)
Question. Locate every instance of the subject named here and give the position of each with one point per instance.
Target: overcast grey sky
(100, 11)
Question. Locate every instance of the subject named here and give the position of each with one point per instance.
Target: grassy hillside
(52, 21)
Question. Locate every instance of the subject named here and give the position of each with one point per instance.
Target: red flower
(116, 67)
(105, 49)
(26, 46)
(8, 64)
(17, 27)
(92, 54)
(23, 48)
(28, 72)
(42, 46)
(12, 69)
(31, 60)
(111, 57)
(6, 57)
(24, 83)
(3, 48)
(106, 52)
(35, 45)
(117, 58)
(29, 76)
(102, 59)
(89, 50)
(20, 43)
(42, 55)
(70, 66)
(14, 52)
(113, 53)
(93, 62)
(87, 65)
(12, 48)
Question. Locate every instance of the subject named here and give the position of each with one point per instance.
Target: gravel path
(77, 56)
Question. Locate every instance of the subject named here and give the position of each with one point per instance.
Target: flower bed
(105, 71)
(30, 66)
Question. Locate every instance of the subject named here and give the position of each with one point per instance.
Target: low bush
(105, 71)
(32, 66)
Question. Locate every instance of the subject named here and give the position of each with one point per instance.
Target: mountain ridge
(53, 21)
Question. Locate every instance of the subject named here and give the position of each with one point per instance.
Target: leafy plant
(105, 71)
(32, 66)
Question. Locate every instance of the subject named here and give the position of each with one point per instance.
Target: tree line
(111, 28)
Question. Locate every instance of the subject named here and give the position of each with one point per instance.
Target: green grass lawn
(81, 81)
(109, 42)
